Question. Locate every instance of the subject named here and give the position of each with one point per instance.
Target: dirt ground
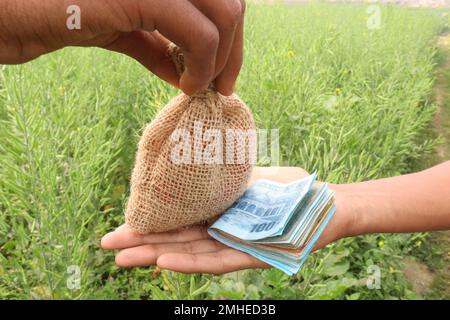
(430, 276)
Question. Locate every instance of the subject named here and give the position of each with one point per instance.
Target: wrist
(348, 209)
(7, 10)
(30, 28)
(21, 23)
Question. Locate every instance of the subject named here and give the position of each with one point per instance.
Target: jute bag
(184, 175)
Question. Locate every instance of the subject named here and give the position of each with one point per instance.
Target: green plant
(350, 103)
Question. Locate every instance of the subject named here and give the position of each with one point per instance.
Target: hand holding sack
(194, 160)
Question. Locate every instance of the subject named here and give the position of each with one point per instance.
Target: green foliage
(350, 103)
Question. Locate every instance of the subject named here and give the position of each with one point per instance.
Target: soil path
(442, 99)
(431, 279)
(442, 127)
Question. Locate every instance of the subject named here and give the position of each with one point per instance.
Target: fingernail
(227, 93)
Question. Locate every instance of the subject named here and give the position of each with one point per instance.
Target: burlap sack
(170, 188)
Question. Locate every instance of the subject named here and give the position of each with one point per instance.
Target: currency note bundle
(277, 223)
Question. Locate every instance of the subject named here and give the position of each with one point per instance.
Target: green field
(350, 102)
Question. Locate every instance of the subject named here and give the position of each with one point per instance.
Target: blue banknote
(264, 210)
(277, 223)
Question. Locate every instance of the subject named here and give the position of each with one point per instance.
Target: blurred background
(358, 91)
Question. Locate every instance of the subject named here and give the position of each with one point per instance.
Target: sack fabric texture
(171, 189)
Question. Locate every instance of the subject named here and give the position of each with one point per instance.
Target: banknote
(288, 263)
(264, 209)
(277, 223)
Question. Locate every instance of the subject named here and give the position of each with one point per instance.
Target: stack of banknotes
(277, 223)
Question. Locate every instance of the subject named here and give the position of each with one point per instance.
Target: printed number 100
(262, 227)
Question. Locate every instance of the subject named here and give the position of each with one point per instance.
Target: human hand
(209, 33)
(192, 250)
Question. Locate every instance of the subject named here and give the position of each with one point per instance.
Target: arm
(410, 203)
(415, 202)
(210, 34)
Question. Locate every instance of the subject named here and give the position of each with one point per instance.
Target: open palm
(189, 251)
(192, 250)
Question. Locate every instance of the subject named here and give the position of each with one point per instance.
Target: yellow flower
(42, 292)
(418, 243)
(338, 91)
(291, 53)
(380, 243)
(119, 189)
